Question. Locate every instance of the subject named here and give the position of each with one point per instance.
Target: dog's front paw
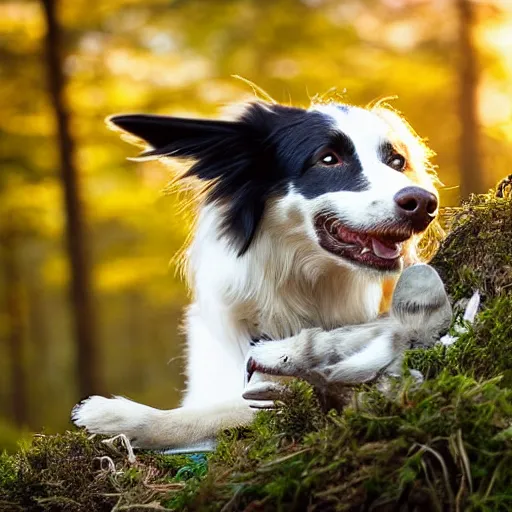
(99, 415)
(109, 416)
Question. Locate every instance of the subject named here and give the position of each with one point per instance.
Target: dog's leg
(213, 400)
(147, 427)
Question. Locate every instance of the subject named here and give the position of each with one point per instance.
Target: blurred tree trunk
(14, 309)
(87, 365)
(136, 347)
(37, 320)
(471, 173)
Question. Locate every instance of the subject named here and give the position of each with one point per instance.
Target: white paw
(110, 416)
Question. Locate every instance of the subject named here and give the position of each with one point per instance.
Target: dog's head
(349, 182)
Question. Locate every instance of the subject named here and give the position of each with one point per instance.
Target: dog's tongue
(385, 252)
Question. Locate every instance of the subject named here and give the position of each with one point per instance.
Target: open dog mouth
(381, 250)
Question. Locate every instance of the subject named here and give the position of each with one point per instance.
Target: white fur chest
(333, 300)
(273, 290)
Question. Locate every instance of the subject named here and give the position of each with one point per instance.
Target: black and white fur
(303, 215)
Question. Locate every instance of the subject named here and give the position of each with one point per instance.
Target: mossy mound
(477, 256)
(446, 445)
(477, 253)
(72, 472)
(443, 445)
(483, 351)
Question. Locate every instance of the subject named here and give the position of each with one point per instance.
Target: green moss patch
(483, 352)
(477, 253)
(72, 472)
(445, 444)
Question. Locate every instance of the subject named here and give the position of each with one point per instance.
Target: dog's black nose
(417, 205)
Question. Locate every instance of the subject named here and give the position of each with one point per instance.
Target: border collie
(304, 216)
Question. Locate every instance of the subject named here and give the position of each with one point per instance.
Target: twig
(443, 468)
(282, 459)
(342, 487)
(431, 486)
(131, 455)
(147, 506)
(232, 501)
(493, 478)
(110, 463)
(465, 460)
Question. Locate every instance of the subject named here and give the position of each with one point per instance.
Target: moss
(53, 471)
(484, 351)
(7, 471)
(477, 253)
(72, 472)
(443, 445)
(419, 449)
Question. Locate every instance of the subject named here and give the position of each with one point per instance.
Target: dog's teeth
(364, 250)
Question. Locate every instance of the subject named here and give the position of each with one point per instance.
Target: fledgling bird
(354, 354)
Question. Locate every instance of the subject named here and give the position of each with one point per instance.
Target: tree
(14, 309)
(89, 380)
(469, 152)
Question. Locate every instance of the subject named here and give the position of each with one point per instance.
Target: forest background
(90, 296)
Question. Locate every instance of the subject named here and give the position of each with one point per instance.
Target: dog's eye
(396, 162)
(329, 158)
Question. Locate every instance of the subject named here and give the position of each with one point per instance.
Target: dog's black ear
(176, 137)
(233, 157)
(244, 162)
